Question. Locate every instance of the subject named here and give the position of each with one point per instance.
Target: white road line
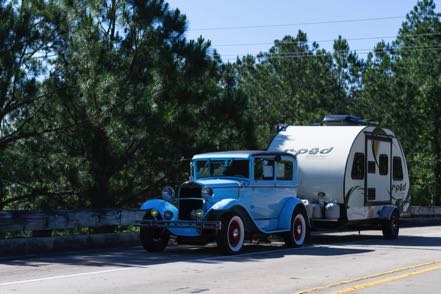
(70, 276)
(150, 265)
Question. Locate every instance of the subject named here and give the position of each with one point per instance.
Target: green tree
(401, 88)
(131, 97)
(294, 83)
(26, 40)
(419, 66)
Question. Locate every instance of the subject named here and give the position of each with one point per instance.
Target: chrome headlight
(168, 193)
(207, 193)
(168, 215)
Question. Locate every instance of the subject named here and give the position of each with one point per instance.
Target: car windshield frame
(222, 168)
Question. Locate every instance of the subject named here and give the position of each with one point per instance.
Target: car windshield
(222, 168)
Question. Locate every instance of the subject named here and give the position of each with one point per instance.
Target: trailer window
(284, 170)
(358, 167)
(397, 169)
(371, 167)
(263, 169)
(384, 164)
(371, 194)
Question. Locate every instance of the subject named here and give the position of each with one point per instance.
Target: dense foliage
(103, 102)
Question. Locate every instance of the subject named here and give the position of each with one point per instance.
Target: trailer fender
(161, 206)
(286, 213)
(386, 212)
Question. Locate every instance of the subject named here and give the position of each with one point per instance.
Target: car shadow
(322, 245)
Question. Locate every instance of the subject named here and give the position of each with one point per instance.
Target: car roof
(245, 154)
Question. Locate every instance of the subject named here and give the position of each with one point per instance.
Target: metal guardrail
(424, 211)
(28, 220)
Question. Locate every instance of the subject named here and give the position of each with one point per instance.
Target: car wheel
(299, 231)
(231, 237)
(391, 227)
(153, 239)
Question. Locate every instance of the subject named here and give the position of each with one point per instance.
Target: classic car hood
(223, 188)
(222, 183)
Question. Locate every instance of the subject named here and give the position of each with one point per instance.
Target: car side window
(284, 170)
(263, 169)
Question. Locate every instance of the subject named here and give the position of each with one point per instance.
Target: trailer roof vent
(343, 120)
(280, 128)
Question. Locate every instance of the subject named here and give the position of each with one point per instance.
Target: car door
(285, 183)
(273, 184)
(260, 194)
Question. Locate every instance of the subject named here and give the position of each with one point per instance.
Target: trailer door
(378, 181)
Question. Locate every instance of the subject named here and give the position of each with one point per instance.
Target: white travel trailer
(350, 172)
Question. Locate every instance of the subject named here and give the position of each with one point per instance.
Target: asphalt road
(331, 263)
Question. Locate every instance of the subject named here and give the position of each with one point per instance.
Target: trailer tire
(391, 227)
(299, 231)
(231, 237)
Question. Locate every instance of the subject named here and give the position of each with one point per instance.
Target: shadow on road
(403, 241)
(137, 257)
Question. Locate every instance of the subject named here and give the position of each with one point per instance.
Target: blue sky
(204, 15)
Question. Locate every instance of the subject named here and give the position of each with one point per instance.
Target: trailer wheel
(391, 227)
(231, 237)
(299, 231)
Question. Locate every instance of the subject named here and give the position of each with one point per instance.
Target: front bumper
(182, 224)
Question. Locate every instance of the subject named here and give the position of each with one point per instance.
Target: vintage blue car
(232, 197)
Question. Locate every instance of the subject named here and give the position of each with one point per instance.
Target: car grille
(189, 190)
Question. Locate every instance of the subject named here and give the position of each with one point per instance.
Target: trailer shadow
(426, 242)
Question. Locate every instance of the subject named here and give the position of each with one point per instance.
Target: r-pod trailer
(350, 172)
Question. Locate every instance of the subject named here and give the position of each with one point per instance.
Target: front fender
(161, 206)
(232, 205)
(286, 213)
(219, 208)
(225, 204)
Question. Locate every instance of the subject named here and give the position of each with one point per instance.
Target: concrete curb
(420, 221)
(25, 246)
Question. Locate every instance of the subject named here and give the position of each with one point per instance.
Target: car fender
(161, 206)
(287, 211)
(386, 212)
(232, 205)
(226, 205)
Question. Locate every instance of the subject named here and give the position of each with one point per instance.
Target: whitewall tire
(231, 237)
(299, 231)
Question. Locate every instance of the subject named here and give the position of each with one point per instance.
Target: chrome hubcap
(235, 233)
